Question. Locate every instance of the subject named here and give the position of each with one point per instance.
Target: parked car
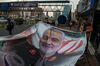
(19, 21)
(3, 19)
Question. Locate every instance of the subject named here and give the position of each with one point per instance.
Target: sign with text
(4, 6)
(23, 4)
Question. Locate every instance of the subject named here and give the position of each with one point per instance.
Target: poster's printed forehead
(53, 32)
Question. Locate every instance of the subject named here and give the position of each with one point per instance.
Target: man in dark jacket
(10, 26)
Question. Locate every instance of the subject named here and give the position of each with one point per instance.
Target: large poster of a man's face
(42, 45)
(51, 41)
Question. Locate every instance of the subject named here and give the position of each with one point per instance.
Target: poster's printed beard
(48, 48)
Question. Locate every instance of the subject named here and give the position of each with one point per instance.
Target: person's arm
(81, 28)
(89, 29)
(12, 59)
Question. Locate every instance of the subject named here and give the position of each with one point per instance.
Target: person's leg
(10, 32)
(97, 43)
(86, 50)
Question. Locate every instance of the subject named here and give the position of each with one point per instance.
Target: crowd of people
(82, 25)
(52, 39)
(49, 43)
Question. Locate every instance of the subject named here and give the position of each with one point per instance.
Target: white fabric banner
(42, 45)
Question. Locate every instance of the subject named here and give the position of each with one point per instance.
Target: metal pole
(23, 9)
(73, 16)
(72, 5)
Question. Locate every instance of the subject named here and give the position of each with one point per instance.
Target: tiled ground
(87, 60)
(98, 57)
